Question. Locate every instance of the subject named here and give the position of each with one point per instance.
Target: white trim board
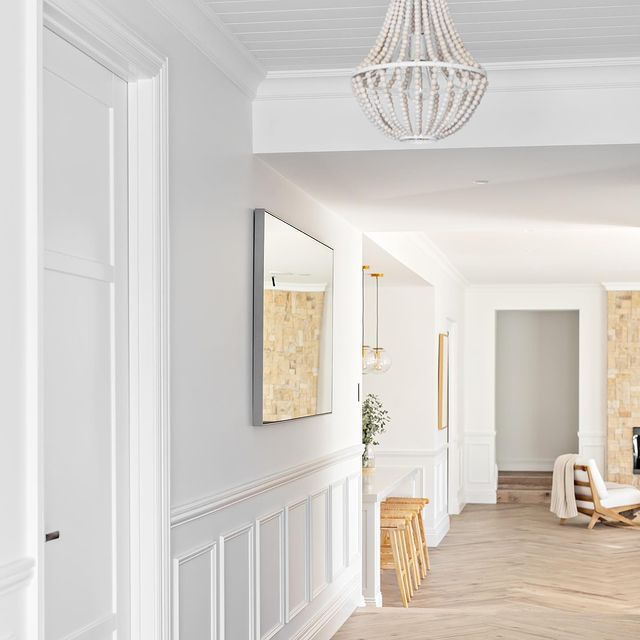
(100, 35)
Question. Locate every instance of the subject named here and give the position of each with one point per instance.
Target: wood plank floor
(511, 571)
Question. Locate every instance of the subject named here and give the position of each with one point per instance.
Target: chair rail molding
(102, 36)
(206, 506)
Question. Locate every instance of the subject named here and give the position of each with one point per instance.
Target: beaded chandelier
(418, 81)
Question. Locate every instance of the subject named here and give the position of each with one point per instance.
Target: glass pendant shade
(382, 361)
(368, 359)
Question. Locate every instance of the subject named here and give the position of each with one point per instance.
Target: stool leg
(424, 542)
(397, 561)
(414, 554)
(406, 559)
(417, 538)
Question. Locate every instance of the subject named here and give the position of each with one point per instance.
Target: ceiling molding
(559, 75)
(621, 286)
(202, 27)
(535, 287)
(426, 245)
(489, 66)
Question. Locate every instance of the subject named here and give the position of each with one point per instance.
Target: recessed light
(480, 182)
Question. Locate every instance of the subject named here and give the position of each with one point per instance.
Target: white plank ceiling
(336, 34)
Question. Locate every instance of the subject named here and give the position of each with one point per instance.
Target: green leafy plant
(374, 419)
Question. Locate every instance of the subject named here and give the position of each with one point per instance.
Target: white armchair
(604, 500)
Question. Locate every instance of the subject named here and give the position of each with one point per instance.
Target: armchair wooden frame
(600, 512)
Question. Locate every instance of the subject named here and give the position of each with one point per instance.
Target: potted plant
(374, 420)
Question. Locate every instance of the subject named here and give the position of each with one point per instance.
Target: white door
(85, 347)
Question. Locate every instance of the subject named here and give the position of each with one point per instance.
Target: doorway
(85, 346)
(536, 388)
(90, 52)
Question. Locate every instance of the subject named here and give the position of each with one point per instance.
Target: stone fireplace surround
(623, 383)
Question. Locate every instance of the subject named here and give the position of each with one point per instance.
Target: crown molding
(512, 287)
(489, 66)
(102, 36)
(204, 29)
(555, 75)
(621, 286)
(428, 246)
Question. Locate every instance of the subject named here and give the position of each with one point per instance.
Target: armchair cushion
(621, 496)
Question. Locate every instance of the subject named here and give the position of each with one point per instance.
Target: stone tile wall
(623, 382)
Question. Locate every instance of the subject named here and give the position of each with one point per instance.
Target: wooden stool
(414, 515)
(409, 557)
(396, 559)
(412, 538)
(421, 503)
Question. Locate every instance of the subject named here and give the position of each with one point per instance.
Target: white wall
(482, 302)
(536, 388)
(406, 328)
(418, 442)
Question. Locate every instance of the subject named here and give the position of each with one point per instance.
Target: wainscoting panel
(354, 538)
(238, 584)
(297, 558)
(273, 560)
(480, 477)
(270, 563)
(195, 588)
(320, 540)
(338, 528)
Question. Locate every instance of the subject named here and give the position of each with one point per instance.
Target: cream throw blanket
(563, 498)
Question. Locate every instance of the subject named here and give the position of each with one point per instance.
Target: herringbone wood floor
(512, 572)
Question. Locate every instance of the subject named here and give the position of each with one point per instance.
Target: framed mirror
(292, 322)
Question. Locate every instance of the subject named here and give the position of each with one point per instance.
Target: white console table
(376, 487)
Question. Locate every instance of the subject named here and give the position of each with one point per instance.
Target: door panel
(85, 346)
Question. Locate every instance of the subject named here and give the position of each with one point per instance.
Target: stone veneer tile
(623, 382)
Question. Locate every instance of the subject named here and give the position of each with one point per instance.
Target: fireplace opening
(636, 450)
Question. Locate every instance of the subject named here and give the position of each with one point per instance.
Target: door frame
(87, 26)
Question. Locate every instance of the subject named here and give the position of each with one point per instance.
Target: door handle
(52, 535)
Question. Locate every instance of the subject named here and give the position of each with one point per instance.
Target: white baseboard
(435, 535)
(327, 621)
(372, 602)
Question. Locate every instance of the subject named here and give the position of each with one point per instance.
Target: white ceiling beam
(529, 104)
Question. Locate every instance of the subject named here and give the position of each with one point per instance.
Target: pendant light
(382, 360)
(368, 356)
